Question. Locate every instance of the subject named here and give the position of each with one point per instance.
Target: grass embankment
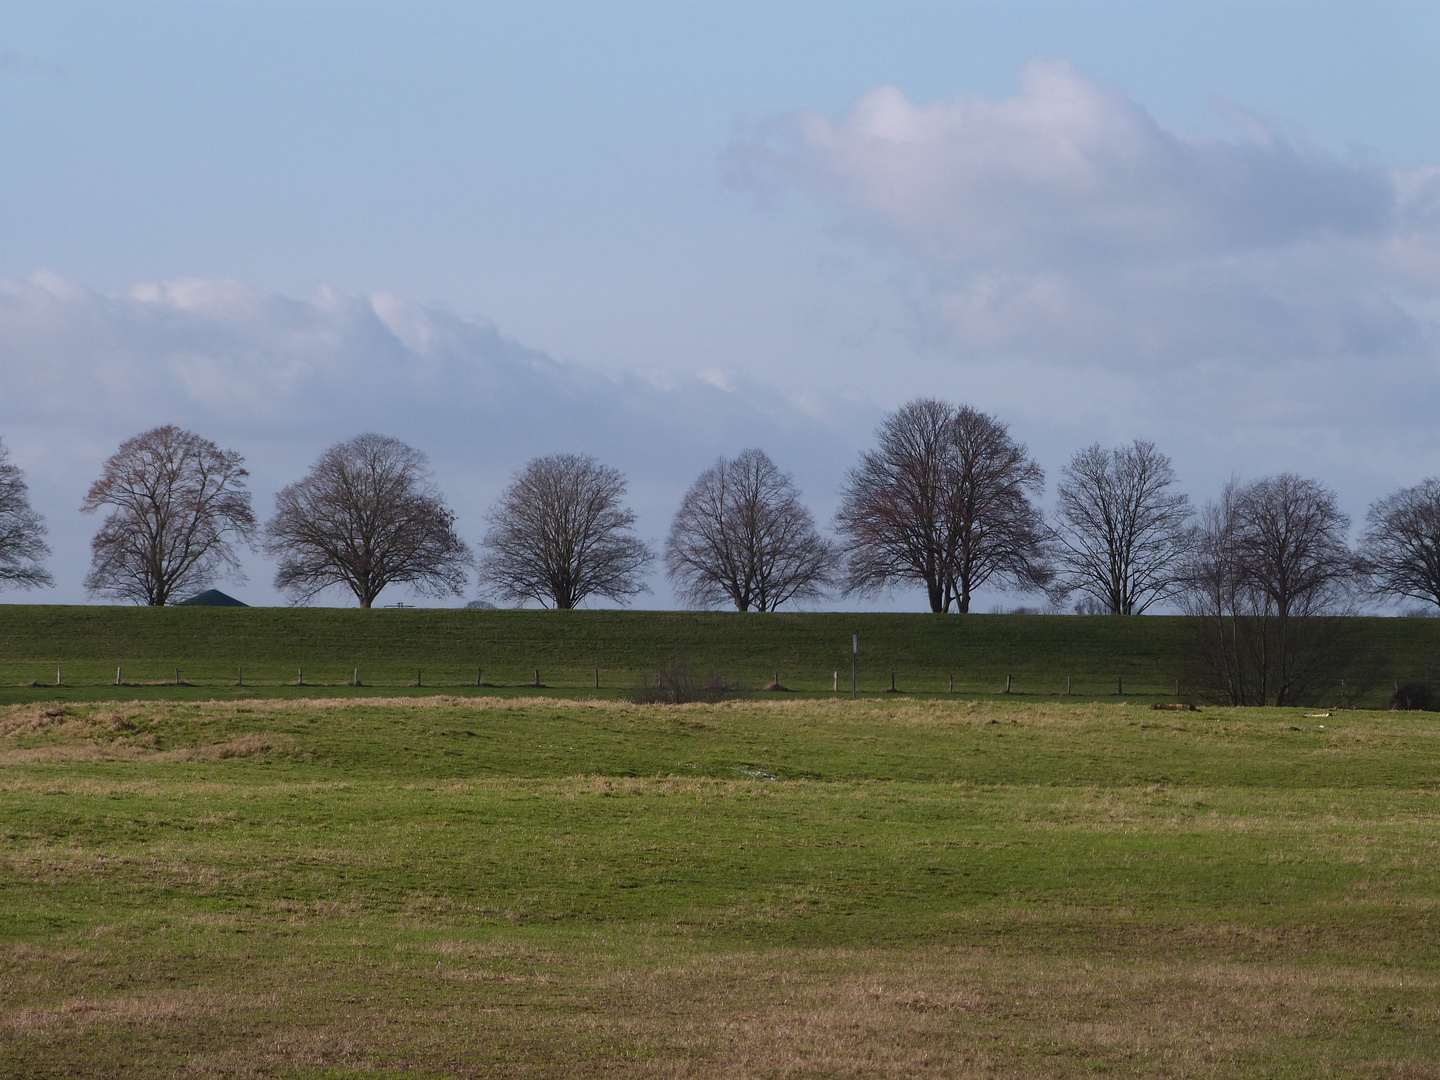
(462, 887)
(449, 647)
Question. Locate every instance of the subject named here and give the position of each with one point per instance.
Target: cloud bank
(1067, 223)
(279, 379)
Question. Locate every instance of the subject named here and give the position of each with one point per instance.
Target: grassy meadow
(506, 886)
(209, 648)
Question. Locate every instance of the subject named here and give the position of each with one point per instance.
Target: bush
(1414, 697)
(678, 684)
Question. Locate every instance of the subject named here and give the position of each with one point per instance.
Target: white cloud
(279, 379)
(1067, 223)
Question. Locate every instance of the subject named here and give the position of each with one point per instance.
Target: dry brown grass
(501, 1008)
(142, 748)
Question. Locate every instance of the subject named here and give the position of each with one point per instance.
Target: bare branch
(367, 516)
(560, 534)
(180, 506)
(743, 535)
(1269, 566)
(1123, 535)
(944, 500)
(1402, 544)
(22, 531)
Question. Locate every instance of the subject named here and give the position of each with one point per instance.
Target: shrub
(1414, 696)
(678, 684)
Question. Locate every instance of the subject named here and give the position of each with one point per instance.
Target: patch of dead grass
(445, 1006)
(142, 748)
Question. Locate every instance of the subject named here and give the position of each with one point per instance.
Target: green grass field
(446, 648)
(529, 887)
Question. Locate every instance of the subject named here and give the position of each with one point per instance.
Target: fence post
(1068, 681)
(1007, 684)
(1119, 687)
(537, 676)
(117, 676)
(597, 678)
(241, 680)
(60, 677)
(355, 678)
(177, 676)
(892, 681)
(835, 682)
(417, 678)
(952, 684)
(300, 677)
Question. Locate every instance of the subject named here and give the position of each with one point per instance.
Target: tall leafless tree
(22, 531)
(367, 516)
(743, 535)
(1270, 566)
(1289, 541)
(179, 508)
(945, 501)
(1123, 534)
(1401, 546)
(560, 533)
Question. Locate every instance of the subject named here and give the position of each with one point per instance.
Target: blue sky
(661, 232)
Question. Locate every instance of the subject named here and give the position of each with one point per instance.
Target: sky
(663, 232)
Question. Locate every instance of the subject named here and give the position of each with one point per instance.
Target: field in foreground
(494, 887)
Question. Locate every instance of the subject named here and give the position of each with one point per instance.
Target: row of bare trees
(368, 515)
(946, 500)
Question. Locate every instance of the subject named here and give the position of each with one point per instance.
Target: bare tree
(1289, 542)
(944, 500)
(22, 531)
(743, 535)
(180, 506)
(367, 515)
(1269, 568)
(1123, 535)
(560, 534)
(1402, 544)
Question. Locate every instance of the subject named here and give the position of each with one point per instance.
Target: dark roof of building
(211, 598)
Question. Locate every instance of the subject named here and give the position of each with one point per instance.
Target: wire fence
(154, 674)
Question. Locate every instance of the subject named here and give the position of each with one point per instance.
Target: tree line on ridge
(946, 500)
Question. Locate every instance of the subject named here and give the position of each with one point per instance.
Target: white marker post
(854, 662)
